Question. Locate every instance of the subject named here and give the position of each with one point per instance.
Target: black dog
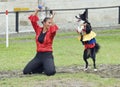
(87, 37)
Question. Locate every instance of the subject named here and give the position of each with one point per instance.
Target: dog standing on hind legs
(87, 37)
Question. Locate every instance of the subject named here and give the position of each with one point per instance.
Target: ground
(104, 71)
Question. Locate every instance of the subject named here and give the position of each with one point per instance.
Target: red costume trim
(89, 45)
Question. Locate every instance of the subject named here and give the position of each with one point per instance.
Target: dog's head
(84, 25)
(82, 17)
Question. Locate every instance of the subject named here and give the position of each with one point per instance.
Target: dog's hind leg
(86, 65)
(93, 56)
(94, 64)
(85, 57)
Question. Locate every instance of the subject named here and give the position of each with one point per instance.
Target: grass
(67, 52)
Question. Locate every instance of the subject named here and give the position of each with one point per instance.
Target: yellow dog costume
(88, 37)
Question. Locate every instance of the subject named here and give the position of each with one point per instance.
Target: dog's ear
(85, 12)
(83, 16)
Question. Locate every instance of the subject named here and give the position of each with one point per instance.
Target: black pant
(43, 62)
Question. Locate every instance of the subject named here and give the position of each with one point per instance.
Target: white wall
(98, 17)
(80, 3)
(11, 4)
(66, 19)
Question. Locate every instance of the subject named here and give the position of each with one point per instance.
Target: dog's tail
(97, 47)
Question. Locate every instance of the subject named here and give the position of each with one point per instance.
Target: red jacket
(46, 46)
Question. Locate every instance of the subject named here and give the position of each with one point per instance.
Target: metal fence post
(46, 11)
(119, 15)
(17, 22)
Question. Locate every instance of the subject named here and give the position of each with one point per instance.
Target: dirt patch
(64, 83)
(105, 71)
(10, 74)
(109, 71)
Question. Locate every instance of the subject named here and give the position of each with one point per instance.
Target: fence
(65, 18)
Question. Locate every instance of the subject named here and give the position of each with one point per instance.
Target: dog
(87, 37)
